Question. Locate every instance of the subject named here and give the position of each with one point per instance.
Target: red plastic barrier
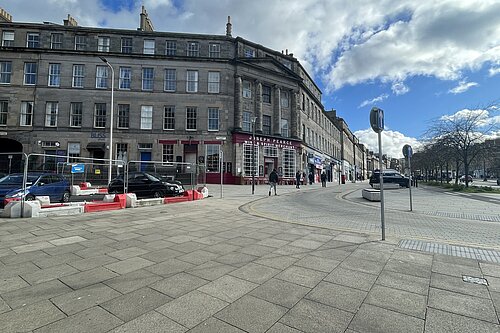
(101, 206)
(193, 195)
(169, 200)
(122, 199)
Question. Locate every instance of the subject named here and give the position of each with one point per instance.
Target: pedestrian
(298, 175)
(311, 178)
(323, 179)
(273, 181)
(304, 181)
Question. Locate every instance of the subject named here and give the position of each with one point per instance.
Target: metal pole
(253, 155)
(381, 170)
(409, 166)
(110, 171)
(221, 156)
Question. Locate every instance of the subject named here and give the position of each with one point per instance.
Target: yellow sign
(97, 171)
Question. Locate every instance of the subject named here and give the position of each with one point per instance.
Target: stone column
(276, 130)
(295, 117)
(258, 106)
(238, 105)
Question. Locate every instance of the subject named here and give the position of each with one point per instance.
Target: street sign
(407, 151)
(377, 119)
(78, 168)
(222, 138)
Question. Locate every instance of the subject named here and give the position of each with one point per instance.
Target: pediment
(271, 65)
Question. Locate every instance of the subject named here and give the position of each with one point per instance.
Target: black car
(390, 176)
(145, 184)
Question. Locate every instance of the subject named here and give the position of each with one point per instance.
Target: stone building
(177, 97)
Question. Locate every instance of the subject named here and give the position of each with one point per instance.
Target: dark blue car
(47, 184)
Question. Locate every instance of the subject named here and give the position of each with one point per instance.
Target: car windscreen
(152, 178)
(17, 179)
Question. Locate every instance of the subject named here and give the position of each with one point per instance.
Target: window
(168, 154)
(193, 49)
(170, 48)
(247, 122)
(5, 72)
(146, 117)
(75, 115)
(270, 151)
(26, 114)
(54, 75)
(288, 163)
(284, 128)
(170, 80)
(213, 119)
(214, 50)
(212, 158)
(192, 81)
(121, 151)
(169, 118)
(51, 110)
(100, 115)
(4, 109)
(249, 163)
(266, 125)
(249, 53)
(213, 82)
(32, 40)
(284, 99)
(102, 44)
(8, 38)
(125, 77)
(147, 78)
(101, 77)
(247, 89)
(80, 42)
(56, 41)
(149, 46)
(123, 115)
(78, 76)
(126, 45)
(191, 118)
(266, 94)
(30, 73)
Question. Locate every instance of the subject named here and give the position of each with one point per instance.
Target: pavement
(237, 264)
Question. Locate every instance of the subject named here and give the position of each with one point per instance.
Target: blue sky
(417, 60)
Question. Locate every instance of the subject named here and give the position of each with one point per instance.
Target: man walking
(298, 175)
(273, 181)
(323, 179)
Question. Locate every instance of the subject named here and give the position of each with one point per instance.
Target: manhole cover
(475, 280)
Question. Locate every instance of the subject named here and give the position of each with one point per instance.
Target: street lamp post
(110, 171)
(253, 154)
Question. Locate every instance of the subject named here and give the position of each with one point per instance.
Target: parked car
(462, 178)
(390, 176)
(37, 184)
(145, 184)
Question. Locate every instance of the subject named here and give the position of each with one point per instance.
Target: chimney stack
(146, 24)
(70, 22)
(4, 16)
(229, 27)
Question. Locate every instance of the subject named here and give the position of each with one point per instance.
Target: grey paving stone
(361, 265)
(157, 245)
(151, 322)
(306, 243)
(495, 297)
(494, 283)
(280, 292)
(136, 303)
(372, 319)
(456, 284)
(48, 274)
(455, 260)
(192, 308)
(371, 255)
(132, 281)
(277, 261)
(87, 278)
(31, 247)
(211, 270)
(408, 268)
(351, 238)
(490, 269)
(24, 257)
(302, 276)
(273, 242)
(92, 262)
(255, 273)
(29, 317)
(189, 247)
(340, 297)
(350, 278)
(129, 265)
(162, 255)
(81, 299)
(67, 240)
(91, 320)
(222, 248)
(170, 267)
(257, 250)
(128, 253)
(95, 251)
(280, 328)
(214, 325)
(318, 263)
(413, 284)
(237, 259)
(179, 284)
(56, 260)
(312, 317)
(32, 294)
(251, 314)
(228, 288)
(438, 321)
(466, 305)
(455, 270)
(12, 283)
(8, 271)
(59, 250)
(420, 258)
(398, 300)
(4, 307)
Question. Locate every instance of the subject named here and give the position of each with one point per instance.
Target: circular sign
(407, 151)
(377, 119)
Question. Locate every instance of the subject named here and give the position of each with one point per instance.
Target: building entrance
(10, 156)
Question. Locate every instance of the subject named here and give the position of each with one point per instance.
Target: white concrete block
(62, 211)
(131, 200)
(13, 209)
(44, 200)
(371, 194)
(75, 190)
(149, 202)
(387, 186)
(109, 198)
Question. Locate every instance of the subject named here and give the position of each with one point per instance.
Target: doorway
(269, 165)
(145, 157)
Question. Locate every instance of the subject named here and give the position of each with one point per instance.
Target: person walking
(311, 178)
(298, 175)
(273, 181)
(323, 179)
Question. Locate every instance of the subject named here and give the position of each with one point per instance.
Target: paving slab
(373, 319)
(67, 240)
(169, 267)
(302, 276)
(129, 265)
(280, 292)
(340, 297)
(87, 278)
(29, 317)
(92, 262)
(351, 278)
(438, 321)
(228, 288)
(455, 269)
(490, 269)
(151, 322)
(456, 284)
(255, 273)
(132, 281)
(214, 325)
(33, 294)
(361, 265)
(280, 328)
(318, 263)
(211, 270)
(398, 300)
(48, 274)
(408, 267)
(413, 284)
(11, 283)
(179, 284)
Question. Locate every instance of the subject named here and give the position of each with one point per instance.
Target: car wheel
(158, 194)
(30, 197)
(65, 197)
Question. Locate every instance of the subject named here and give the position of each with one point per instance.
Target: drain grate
(475, 280)
(451, 250)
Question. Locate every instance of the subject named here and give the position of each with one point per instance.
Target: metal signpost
(408, 152)
(221, 161)
(377, 124)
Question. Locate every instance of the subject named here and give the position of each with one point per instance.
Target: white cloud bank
(462, 86)
(373, 101)
(392, 141)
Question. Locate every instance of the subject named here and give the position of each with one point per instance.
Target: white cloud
(463, 86)
(373, 101)
(494, 71)
(484, 117)
(399, 88)
(392, 141)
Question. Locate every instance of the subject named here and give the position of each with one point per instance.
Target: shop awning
(96, 146)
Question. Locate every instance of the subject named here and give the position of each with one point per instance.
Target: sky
(419, 61)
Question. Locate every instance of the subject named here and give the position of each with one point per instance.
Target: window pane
(149, 46)
(247, 122)
(193, 49)
(76, 115)
(80, 43)
(168, 153)
(212, 158)
(213, 82)
(213, 119)
(30, 73)
(266, 124)
(26, 113)
(170, 80)
(33, 40)
(54, 75)
(247, 89)
(125, 77)
(169, 118)
(147, 78)
(266, 94)
(103, 44)
(101, 77)
(146, 117)
(100, 115)
(214, 50)
(126, 45)
(123, 115)
(5, 72)
(192, 81)
(171, 48)
(78, 76)
(191, 118)
(4, 107)
(51, 111)
(8, 38)
(56, 41)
